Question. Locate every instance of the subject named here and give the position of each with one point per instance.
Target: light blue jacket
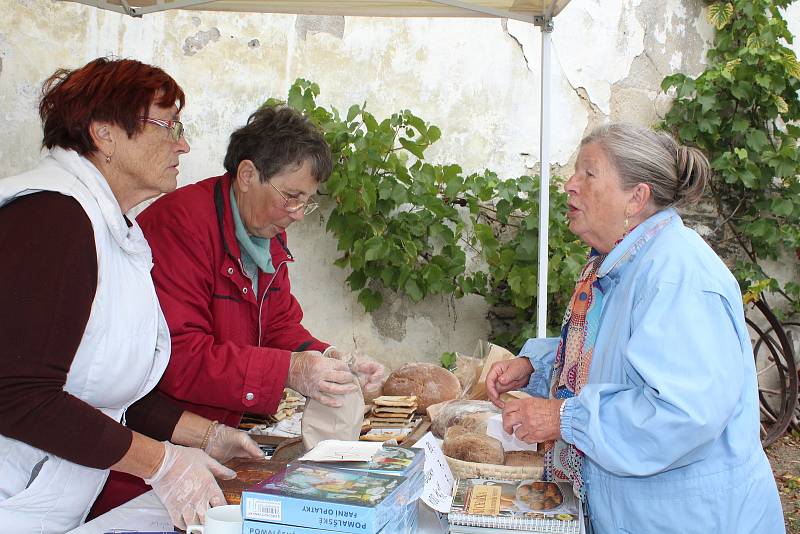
(669, 418)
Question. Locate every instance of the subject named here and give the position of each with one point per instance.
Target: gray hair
(676, 174)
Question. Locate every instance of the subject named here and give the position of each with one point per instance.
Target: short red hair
(117, 91)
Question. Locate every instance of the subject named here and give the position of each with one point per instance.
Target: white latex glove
(185, 484)
(369, 372)
(225, 443)
(322, 379)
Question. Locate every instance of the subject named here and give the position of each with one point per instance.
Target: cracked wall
(194, 43)
(477, 79)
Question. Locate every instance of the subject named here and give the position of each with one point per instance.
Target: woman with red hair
(84, 339)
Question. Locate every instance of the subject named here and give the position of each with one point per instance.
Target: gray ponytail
(676, 174)
(694, 172)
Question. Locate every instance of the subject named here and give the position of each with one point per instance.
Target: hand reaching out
(507, 375)
(225, 443)
(185, 483)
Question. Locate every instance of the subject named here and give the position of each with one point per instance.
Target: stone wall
(478, 79)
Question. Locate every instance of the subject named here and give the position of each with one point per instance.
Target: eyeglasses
(175, 127)
(293, 205)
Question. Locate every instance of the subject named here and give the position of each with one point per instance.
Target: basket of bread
(463, 424)
(471, 452)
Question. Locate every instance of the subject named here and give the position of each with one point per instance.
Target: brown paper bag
(322, 422)
(489, 353)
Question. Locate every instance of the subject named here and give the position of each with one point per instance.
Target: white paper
(334, 450)
(494, 429)
(438, 491)
(290, 426)
(388, 433)
(287, 428)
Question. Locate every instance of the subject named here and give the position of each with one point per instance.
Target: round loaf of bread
(456, 431)
(459, 443)
(429, 382)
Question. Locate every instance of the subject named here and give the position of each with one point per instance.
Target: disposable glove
(225, 443)
(322, 379)
(369, 372)
(185, 484)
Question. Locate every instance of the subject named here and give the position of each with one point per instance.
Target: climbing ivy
(421, 229)
(744, 112)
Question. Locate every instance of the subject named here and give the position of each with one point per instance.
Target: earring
(626, 223)
(108, 158)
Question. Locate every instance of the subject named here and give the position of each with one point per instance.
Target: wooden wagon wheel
(793, 335)
(792, 330)
(777, 375)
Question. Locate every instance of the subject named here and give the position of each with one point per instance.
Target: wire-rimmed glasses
(175, 128)
(293, 205)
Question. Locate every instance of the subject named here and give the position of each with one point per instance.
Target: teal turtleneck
(255, 250)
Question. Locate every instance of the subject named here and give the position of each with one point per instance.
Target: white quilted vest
(121, 357)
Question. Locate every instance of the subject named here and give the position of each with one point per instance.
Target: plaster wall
(478, 79)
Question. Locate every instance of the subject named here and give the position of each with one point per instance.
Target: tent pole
(546, 26)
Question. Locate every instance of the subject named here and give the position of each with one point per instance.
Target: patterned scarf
(574, 355)
(563, 461)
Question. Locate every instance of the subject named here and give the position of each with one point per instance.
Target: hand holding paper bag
(323, 379)
(370, 373)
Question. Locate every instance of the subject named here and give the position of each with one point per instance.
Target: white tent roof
(524, 10)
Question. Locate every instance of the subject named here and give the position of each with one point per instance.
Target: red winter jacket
(230, 350)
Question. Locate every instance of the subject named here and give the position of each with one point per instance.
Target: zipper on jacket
(264, 296)
(241, 269)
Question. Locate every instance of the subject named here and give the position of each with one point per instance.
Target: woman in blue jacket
(647, 402)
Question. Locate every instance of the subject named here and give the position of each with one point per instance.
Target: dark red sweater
(48, 278)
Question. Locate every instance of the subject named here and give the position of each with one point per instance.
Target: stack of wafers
(391, 417)
(392, 411)
(290, 401)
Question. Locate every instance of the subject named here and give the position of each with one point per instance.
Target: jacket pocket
(35, 470)
(20, 465)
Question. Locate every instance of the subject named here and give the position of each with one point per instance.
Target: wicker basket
(462, 469)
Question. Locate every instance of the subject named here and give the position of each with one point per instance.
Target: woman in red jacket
(221, 273)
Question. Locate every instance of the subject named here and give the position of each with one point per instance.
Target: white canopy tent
(537, 12)
(533, 11)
